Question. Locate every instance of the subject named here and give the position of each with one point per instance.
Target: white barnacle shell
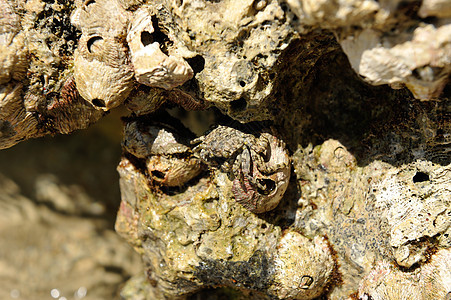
(153, 67)
(101, 71)
(13, 59)
(422, 64)
(303, 268)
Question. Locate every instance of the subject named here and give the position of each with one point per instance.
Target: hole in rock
(94, 44)
(146, 38)
(98, 102)
(197, 63)
(239, 104)
(157, 174)
(242, 83)
(268, 186)
(159, 36)
(420, 177)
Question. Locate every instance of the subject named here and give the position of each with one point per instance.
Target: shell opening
(98, 102)
(268, 186)
(94, 44)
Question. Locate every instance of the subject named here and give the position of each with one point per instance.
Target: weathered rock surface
(319, 114)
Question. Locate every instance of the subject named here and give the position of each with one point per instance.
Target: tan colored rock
(386, 282)
(436, 8)
(415, 202)
(13, 53)
(152, 67)
(436, 276)
(422, 63)
(303, 268)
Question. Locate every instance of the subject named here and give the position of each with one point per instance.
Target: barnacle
(167, 157)
(102, 74)
(259, 166)
(303, 267)
(69, 111)
(153, 67)
(102, 71)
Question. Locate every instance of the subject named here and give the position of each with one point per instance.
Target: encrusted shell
(101, 71)
(258, 165)
(168, 160)
(270, 172)
(153, 67)
(303, 267)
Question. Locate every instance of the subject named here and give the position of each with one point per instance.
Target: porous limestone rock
(388, 42)
(36, 48)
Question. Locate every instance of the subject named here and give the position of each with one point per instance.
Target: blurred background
(58, 202)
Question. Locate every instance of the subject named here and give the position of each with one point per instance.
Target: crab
(258, 165)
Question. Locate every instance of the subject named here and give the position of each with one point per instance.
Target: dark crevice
(159, 36)
(98, 102)
(197, 63)
(420, 177)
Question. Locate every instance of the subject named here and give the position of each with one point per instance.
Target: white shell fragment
(436, 8)
(152, 67)
(422, 64)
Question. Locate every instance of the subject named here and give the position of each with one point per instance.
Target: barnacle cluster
(117, 46)
(168, 160)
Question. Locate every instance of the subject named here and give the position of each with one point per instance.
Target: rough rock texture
(326, 174)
